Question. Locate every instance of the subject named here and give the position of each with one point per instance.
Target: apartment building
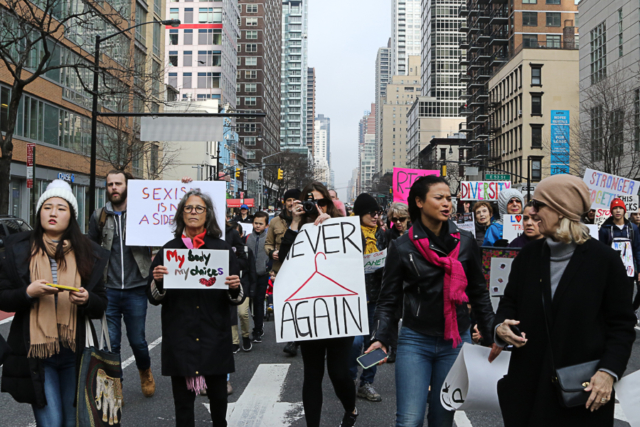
(383, 73)
(321, 153)
(406, 22)
(311, 108)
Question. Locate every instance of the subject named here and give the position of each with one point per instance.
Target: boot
(147, 384)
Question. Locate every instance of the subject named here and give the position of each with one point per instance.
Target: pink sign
(404, 178)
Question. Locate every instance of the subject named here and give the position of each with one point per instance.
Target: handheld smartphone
(63, 287)
(515, 330)
(370, 359)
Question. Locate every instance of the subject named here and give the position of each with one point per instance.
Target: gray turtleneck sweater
(561, 254)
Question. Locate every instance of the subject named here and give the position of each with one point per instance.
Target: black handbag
(570, 381)
(4, 350)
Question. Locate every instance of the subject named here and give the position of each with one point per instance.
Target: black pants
(184, 400)
(337, 351)
(258, 303)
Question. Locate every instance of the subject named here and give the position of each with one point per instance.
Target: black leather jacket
(410, 278)
(373, 281)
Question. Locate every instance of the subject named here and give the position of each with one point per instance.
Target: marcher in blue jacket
(511, 202)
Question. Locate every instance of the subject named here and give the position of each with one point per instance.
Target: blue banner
(560, 141)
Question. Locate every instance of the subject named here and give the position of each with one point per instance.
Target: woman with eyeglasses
(569, 296)
(398, 214)
(510, 202)
(432, 272)
(336, 350)
(196, 327)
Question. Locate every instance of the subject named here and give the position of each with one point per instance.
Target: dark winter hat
(365, 204)
(618, 203)
(294, 193)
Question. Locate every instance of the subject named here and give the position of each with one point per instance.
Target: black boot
(291, 349)
(391, 358)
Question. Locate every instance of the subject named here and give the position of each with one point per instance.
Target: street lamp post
(262, 176)
(94, 105)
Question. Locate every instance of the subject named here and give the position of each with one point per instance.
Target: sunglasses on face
(401, 219)
(536, 204)
(374, 213)
(514, 201)
(322, 202)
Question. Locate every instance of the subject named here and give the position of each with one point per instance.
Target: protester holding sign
(373, 240)
(432, 271)
(510, 201)
(531, 229)
(566, 295)
(483, 213)
(47, 335)
(196, 331)
(336, 350)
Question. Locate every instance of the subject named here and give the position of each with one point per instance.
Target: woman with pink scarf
(434, 270)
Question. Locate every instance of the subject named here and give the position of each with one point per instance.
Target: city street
(267, 392)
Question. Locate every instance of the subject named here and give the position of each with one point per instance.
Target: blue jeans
(423, 361)
(356, 351)
(59, 390)
(132, 304)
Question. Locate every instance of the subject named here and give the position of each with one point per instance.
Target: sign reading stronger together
(320, 291)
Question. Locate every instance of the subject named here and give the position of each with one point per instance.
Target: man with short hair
(255, 242)
(244, 216)
(125, 276)
(634, 217)
(333, 194)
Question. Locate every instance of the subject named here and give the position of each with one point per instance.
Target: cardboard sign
(631, 203)
(152, 205)
(196, 268)
(404, 178)
(601, 216)
(499, 275)
(623, 246)
(482, 190)
(472, 382)
(246, 228)
(374, 261)
(604, 187)
(465, 221)
(320, 290)
(512, 227)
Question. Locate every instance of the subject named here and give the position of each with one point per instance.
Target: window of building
(187, 38)
(597, 133)
(252, 22)
(251, 47)
(536, 136)
(173, 58)
(530, 40)
(173, 37)
(553, 19)
(141, 16)
(250, 100)
(186, 80)
(187, 58)
(536, 170)
(598, 53)
(209, 58)
(536, 76)
(173, 79)
(252, 8)
(536, 104)
(529, 1)
(250, 87)
(188, 16)
(251, 35)
(174, 13)
(620, 36)
(208, 15)
(251, 74)
(156, 39)
(553, 1)
(251, 61)
(616, 141)
(209, 37)
(530, 19)
(553, 41)
(157, 7)
(208, 80)
(250, 141)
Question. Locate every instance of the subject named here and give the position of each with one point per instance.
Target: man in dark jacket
(247, 272)
(244, 216)
(255, 242)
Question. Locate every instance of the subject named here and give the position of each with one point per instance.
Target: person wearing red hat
(617, 227)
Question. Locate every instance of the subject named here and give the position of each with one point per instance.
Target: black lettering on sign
(303, 318)
(291, 319)
(459, 399)
(315, 248)
(345, 306)
(316, 316)
(346, 238)
(325, 238)
(335, 303)
(293, 248)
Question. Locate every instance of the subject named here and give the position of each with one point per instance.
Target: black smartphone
(370, 359)
(515, 330)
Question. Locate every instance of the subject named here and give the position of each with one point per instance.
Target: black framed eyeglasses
(536, 204)
(198, 209)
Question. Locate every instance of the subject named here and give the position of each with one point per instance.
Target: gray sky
(344, 37)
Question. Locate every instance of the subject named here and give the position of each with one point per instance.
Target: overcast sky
(343, 40)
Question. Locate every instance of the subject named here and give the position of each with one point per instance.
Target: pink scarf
(455, 283)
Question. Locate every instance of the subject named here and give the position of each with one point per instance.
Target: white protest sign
(482, 190)
(321, 291)
(631, 203)
(246, 228)
(512, 227)
(629, 398)
(374, 261)
(601, 216)
(152, 205)
(605, 187)
(499, 275)
(196, 268)
(472, 382)
(465, 221)
(593, 231)
(624, 247)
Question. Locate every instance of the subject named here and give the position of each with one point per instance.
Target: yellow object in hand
(63, 287)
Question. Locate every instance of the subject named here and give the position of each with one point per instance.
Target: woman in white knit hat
(47, 336)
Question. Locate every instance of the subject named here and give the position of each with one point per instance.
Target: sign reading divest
(196, 268)
(604, 187)
(152, 205)
(404, 178)
(482, 190)
(320, 291)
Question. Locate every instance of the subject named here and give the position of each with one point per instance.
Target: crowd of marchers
(568, 305)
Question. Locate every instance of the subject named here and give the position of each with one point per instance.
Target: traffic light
(443, 170)
(280, 174)
(237, 173)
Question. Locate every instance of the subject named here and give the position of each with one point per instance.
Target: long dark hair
(210, 223)
(319, 187)
(79, 242)
(419, 189)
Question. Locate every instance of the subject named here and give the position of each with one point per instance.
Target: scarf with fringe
(370, 239)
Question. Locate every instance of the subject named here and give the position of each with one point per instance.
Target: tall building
(202, 52)
(321, 154)
(405, 33)
(294, 74)
(311, 107)
(325, 123)
(383, 74)
(366, 150)
(259, 56)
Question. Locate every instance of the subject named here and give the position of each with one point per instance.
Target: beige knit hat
(566, 194)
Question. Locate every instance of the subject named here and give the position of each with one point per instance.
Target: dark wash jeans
(357, 350)
(258, 303)
(132, 305)
(59, 389)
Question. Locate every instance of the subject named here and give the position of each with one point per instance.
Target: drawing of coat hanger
(327, 280)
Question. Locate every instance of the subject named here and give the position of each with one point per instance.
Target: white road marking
(132, 359)
(7, 320)
(259, 404)
(618, 414)
(461, 419)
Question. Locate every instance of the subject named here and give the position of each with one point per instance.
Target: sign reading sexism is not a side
(196, 268)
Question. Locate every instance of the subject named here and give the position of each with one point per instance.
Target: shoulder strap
(103, 219)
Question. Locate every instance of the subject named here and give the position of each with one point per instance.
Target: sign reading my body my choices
(320, 291)
(152, 205)
(482, 190)
(196, 268)
(404, 178)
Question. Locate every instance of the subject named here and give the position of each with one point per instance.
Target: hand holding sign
(196, 269)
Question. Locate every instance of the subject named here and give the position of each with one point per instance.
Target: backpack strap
(103, 219)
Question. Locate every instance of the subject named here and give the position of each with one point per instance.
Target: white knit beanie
(59, 188)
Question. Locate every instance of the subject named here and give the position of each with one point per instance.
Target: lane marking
(461, 419)
(619, 414)
(7, 320)
(132, 359)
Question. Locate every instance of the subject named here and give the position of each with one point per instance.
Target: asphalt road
(273, 398)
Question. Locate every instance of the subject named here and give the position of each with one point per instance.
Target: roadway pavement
(267, 392)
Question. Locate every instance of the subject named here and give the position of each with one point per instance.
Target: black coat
(196, 328)
(23, 377)
(591, 317)
(411, 280)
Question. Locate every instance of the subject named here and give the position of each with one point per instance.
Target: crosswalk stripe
(461, 419)
(132, 359)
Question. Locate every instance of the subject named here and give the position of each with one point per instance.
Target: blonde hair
(572, 231)
(399, 209)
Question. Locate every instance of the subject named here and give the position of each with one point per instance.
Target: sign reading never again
(320, 290)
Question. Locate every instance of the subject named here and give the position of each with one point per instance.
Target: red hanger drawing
(319, 283)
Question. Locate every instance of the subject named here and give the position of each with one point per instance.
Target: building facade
(406, 22)
(321, 153)
(311, 107)
(367, 165)
(201, 54)
(383, 69)
(446, 151)
(325, 123)
(294, 74)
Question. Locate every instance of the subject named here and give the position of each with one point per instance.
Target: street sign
(497, 177)
(31, 159)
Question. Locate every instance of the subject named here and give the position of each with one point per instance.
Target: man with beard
(125, 276)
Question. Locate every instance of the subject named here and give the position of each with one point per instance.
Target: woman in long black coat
(196, 327)
(589, 311)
